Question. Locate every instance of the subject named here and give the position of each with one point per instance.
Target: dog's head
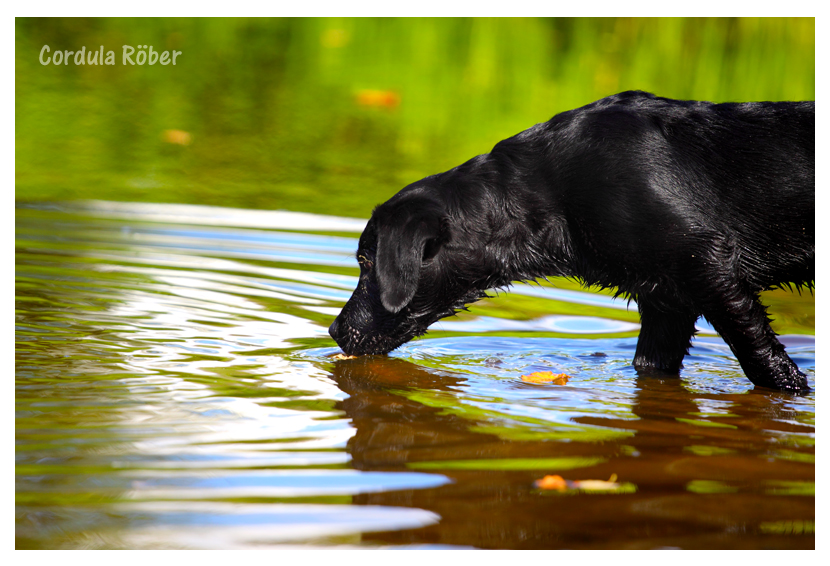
(413, 271)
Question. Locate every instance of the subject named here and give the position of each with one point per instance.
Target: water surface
(175, 389)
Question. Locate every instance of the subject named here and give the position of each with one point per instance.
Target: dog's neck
(508, 220)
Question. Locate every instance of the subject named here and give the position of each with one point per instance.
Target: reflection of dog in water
(689, 208)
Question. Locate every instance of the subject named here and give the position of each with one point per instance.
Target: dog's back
(641, 175)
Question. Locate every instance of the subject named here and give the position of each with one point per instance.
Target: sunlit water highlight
(175, 390)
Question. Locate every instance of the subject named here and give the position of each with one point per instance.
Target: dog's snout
(333, 329)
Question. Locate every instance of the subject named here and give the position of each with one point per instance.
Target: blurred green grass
(333, 115)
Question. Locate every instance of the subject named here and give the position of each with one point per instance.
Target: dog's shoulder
(639, 102)
(627, 99)
(615, 119)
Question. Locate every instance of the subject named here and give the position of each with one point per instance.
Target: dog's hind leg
(736, 312)
(742, 322)
(664, 337)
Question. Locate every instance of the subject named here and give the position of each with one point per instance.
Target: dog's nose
(333, 329)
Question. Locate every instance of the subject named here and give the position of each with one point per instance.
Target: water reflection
(175, 388)
(672, 438)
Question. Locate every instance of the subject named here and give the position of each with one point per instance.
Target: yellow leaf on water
(546, 377)
(340, 356)
(597, 485)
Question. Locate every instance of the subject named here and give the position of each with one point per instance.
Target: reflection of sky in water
(219, 237)
(493, 366)
(298, 254)
(234, 525)
(569, 296)
(567, 324)
(220, 216)
(274, 483)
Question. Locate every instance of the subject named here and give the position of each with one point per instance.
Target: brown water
(175, 389)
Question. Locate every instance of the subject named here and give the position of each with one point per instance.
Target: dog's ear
(405, 239)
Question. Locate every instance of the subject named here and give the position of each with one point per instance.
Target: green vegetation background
(277, 116)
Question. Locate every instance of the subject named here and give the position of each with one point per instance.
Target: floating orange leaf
(552, 482)
(546, 377)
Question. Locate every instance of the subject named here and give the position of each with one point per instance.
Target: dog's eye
(364, 262)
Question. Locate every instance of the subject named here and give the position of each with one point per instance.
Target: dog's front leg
(665, 337)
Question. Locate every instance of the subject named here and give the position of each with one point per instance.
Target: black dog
(689, 208)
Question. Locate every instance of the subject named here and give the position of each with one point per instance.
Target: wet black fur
(689, 208)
